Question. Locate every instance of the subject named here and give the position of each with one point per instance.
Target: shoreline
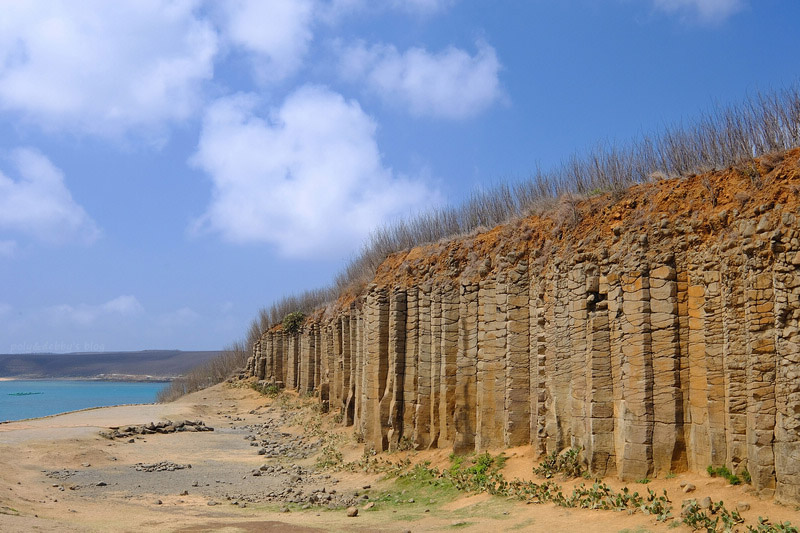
(121, 379)
(45, 417)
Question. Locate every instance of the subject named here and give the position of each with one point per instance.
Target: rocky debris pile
(162, 466)
(271, 442)
(168, 426)
(59, 474)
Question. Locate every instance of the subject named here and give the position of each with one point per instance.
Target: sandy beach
(257, 471)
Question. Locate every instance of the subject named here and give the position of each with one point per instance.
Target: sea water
(21, 399)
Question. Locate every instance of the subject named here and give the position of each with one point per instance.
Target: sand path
(59, 474)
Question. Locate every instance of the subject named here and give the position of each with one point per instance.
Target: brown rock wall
(656, 339)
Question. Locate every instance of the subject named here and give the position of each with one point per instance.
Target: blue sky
(169, 167)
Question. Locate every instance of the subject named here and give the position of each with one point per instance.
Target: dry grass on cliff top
(580, 195)
(667, 173)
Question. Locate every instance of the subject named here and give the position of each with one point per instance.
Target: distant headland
(146, 365)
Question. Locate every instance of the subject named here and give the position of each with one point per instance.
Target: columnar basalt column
(577, 332)
(422, 423)
(786, 285)
(348, 386)
(714, 342)
(518, 385)
(436, 363)
(538, 363)
(735, 358)
(449, 366)
(699, 439)
(376, 369)
(761, 365)
(466, 367)
(599, 441)
(557, 360)
(392, 402)
(668, 445)
(637, 376)
(411, 360)
(491, 366)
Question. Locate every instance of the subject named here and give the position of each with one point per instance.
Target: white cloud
(38, 204)
(704, 10)
(307, 178)
(450, 84)
(104, 67)
(276, 33)
(88, 314)
(337, 8)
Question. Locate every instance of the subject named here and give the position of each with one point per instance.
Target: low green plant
(712, 520)
(293, 321)
(724, 472)
(765, 526)
(567, 463)
(643, 481)
(746, 476)
(270, 389)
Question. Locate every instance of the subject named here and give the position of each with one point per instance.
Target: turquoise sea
(31, 399)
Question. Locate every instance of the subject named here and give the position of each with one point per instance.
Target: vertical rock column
(714, 341)
(787, 386)
(668, 444)
(491, 366)
(422, 408)
(278, 359)
(518, 384)
(410, 363)
(436, 363)
(466, 367)
(376, 368)
(392, 401)
(637, 376)
(557, 360)
(735, 358)
(348, 401)
(577, 323)
(600, 452)
(538, 365)
(449, 366)
(699, 445)
(761, 366)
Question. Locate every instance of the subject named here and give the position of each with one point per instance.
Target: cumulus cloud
(38, 203)
(276, 33)
(88, 314)
(306, 177)
(703, 10)
(450, 84)
(104, 67)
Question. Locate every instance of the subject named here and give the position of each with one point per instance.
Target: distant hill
(148, 364)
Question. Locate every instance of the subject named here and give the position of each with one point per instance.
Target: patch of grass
(460, 524)
(671, 475)
(643, 481)
(724, 472)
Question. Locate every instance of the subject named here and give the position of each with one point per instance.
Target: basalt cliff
(655, 329)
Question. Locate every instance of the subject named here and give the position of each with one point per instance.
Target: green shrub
(293, 321)
(567, 463)
(724, 472)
